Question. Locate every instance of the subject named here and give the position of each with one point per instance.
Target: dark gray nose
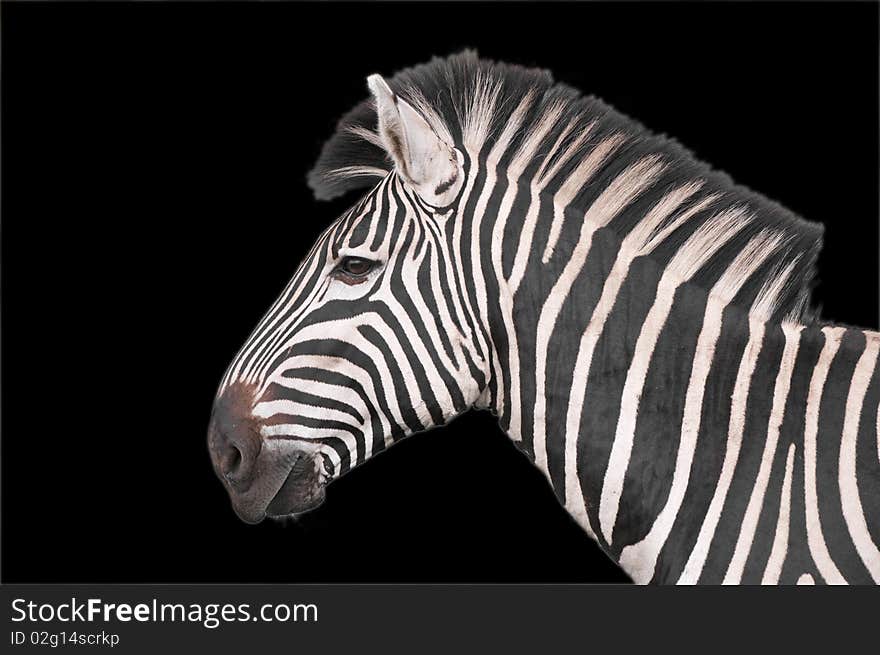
(234, 437)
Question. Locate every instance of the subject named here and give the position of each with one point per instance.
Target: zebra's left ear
(421, 157)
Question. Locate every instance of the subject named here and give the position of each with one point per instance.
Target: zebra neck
(671, 424)
(615, 370)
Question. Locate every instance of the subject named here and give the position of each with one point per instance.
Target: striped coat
(639, 324)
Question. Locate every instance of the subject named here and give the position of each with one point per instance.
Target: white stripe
(505, 303)
(806, 579)
(815, 539)
(780, 540)
(479, 279)
(270, 408)
(374, 222)
(853, 513)
(465, 314)
(456, 337)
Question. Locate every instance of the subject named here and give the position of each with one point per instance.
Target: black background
(154, 204)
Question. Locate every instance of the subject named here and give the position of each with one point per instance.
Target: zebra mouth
(303, 489)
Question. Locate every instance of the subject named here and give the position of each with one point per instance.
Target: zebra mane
(547, 130)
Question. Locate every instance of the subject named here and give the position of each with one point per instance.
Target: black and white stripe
(352, 368)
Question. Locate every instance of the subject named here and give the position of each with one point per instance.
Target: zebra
(640, 325)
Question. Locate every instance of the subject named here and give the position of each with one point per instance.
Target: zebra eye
(354, 269)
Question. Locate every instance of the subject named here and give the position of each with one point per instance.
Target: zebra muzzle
(303, 489)
(288, 481)
(263, 476)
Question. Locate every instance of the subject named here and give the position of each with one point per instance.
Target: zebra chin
(272, 477)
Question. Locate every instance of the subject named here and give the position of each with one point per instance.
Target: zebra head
(371, 340)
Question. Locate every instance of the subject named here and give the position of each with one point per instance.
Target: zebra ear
(421, 157)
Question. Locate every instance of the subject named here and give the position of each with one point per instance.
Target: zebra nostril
(230, 462)
(236, 455)
(234, 439)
